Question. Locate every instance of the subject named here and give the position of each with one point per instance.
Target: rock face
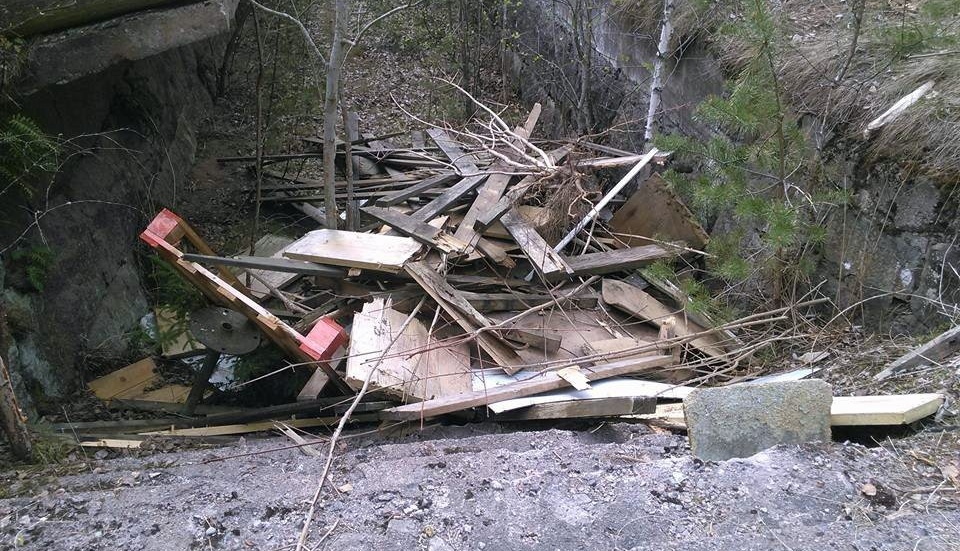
(895, 245)
(130, 134)
(741, 420)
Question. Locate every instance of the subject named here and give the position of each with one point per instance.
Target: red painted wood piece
(324, 339)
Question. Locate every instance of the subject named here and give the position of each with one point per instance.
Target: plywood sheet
(443, 371)
(383, 253)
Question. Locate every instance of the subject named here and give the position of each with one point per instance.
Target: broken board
(441, 371)
(383, 253)
(641, 305)
(656, 212)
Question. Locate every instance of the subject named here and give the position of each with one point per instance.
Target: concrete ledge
(67, 56)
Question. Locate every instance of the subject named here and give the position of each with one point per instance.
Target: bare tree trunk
(11, 418)
(244, 9)
(255, 228)
(331, 112)
(656, 84)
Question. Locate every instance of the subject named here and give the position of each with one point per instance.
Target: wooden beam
(421, 231)
(451, 149)
(578, 409)
(930, 352)
(544, 339)
(272, 264)
(544, 259)
(490, 192)
(449, 197)
(619, 260)
(541, 382)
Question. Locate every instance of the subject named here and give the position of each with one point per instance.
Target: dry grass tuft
(845, 92)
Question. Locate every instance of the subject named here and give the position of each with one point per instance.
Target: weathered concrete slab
(69, 55)
(741, 420)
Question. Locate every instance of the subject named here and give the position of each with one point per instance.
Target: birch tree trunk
(331, 111)
(656, 84)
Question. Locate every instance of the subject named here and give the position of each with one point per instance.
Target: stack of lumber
(465, 287)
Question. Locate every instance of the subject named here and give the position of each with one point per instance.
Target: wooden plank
(464, 314)
(899, 409)
(424, 233)
(537, 217)
(441, 371)
(618, 348)
(279, 264)
(171, 394)
(176, 340)
(655, 211)
(641, 305)
(114, 443)
(577, 409)
(461, 160)
(614, 387)
(930, 352)
(541, 382)
(618, 260)
(445, 200)
(414, 190)
(312, 183)
(260, 426)
(575, 377)
(354, 250)
(314, 386)
(544, 259)
(126, 382)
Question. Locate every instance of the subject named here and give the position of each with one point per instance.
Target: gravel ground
(601, 486)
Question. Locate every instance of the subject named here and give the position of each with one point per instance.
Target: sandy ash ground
(493, 487)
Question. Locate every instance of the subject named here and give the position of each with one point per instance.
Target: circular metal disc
(224, 330)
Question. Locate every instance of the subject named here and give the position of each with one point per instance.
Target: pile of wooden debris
(484, 280)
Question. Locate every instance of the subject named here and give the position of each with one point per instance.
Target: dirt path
(486, 487)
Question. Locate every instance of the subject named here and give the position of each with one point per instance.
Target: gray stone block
(741, 420)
